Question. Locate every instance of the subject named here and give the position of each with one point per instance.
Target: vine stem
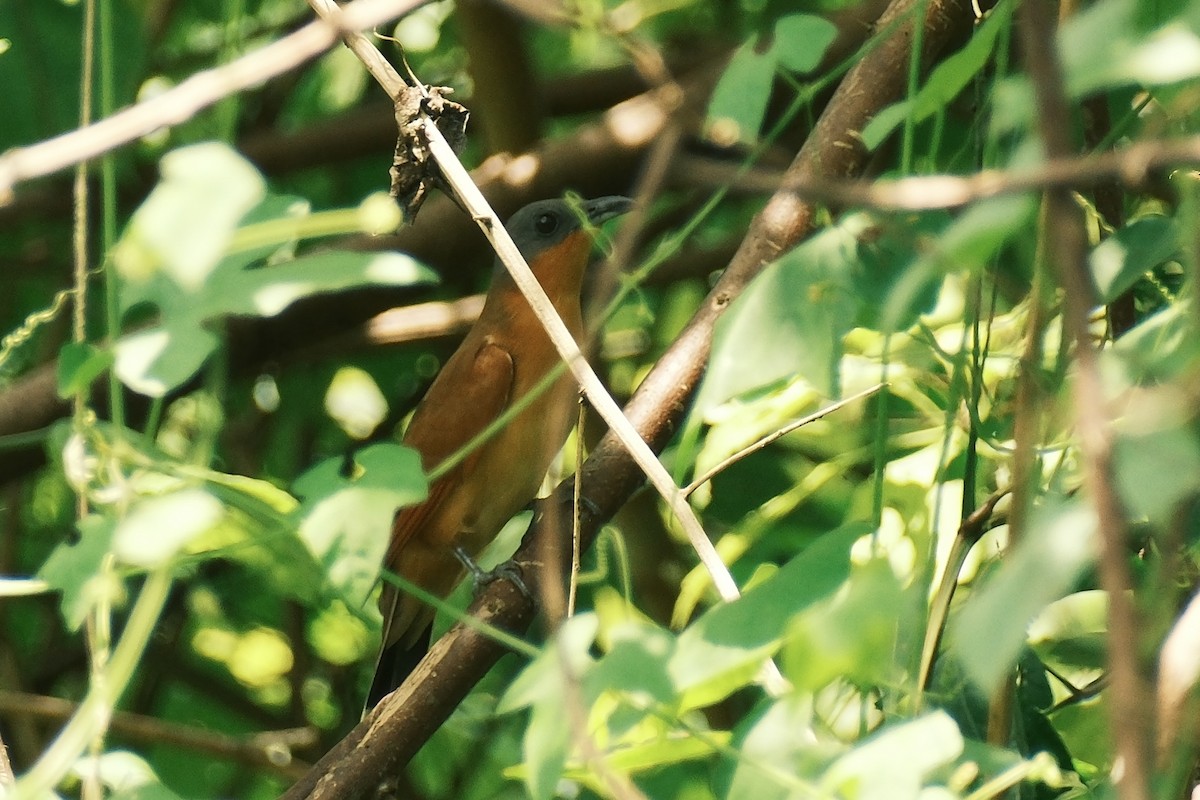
(102, 696)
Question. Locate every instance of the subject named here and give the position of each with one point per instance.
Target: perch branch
(389, 737)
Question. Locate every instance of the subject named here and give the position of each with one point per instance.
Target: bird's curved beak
(603, 209)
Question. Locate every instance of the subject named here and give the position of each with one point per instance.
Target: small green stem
(96, 709)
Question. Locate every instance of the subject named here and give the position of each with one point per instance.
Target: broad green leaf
(895, 762)
(158, 528)
(1120, 260)
(991, 629)
(542, 686)
(801, 41)
(636, 664)
(209, 227)
(946, 81)
(725, 648)
(546, 742)
(74, 570)
(159, 359)
(346, 519)
(1162, 346)
(1130, 55)
(79, 364)
(155, 361)
(739, 101)
(662, 751)
(267, 291)
(852, 634)
(967, 243)
(1070, 633)
(185, 225)
(1157, 470)
(572, 642)
(790, 320)
(776, 737)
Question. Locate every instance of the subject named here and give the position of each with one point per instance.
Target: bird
(504, 355)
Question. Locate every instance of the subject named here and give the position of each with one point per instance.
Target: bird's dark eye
(545, 224)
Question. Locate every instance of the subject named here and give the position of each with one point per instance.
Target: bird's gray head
(545, 223)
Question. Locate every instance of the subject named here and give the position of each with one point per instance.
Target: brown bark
(384, 742)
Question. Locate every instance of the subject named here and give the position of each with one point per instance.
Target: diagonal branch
(475, 203)
(388, 738)
(193, 95)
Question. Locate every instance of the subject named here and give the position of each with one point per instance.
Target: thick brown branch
(386, 740)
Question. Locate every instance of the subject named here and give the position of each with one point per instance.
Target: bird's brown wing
(471, 391)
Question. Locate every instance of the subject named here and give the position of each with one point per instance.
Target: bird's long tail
(395, 663)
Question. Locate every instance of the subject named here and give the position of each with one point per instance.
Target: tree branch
(389, 737)
(270, 750)
(193, 95)
(1130, 701)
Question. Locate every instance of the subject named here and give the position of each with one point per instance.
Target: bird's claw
(590, 505)
(508, 571)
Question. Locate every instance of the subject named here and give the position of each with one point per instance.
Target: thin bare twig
(774, 436)
(969, 532)
(1131, 700)
(270, 750)
(481, 211)
(1130, 166)
(389, 737)
(193, 95)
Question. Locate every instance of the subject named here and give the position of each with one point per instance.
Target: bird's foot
(508, 571)
(588, 504)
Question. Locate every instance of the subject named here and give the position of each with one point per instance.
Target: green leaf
(260, 533)
(79, 364)
(801, 41)
(790, 320)
(636, 664)
(660, 752)
(542, 686)
(156, 360)
(1129, 55)
(157, 528)
(739, 101)
(946, 81)
(777, 736)
(572, 642)
(990, 631)
(1158, 470)
(74, 570)
(848, 635)
(1070, 633)
(1120, 260)
(185, 225)
(967, 243)
(545, 743)
(725, 648)
(267, 291)
(346, 520)
(895, 762)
